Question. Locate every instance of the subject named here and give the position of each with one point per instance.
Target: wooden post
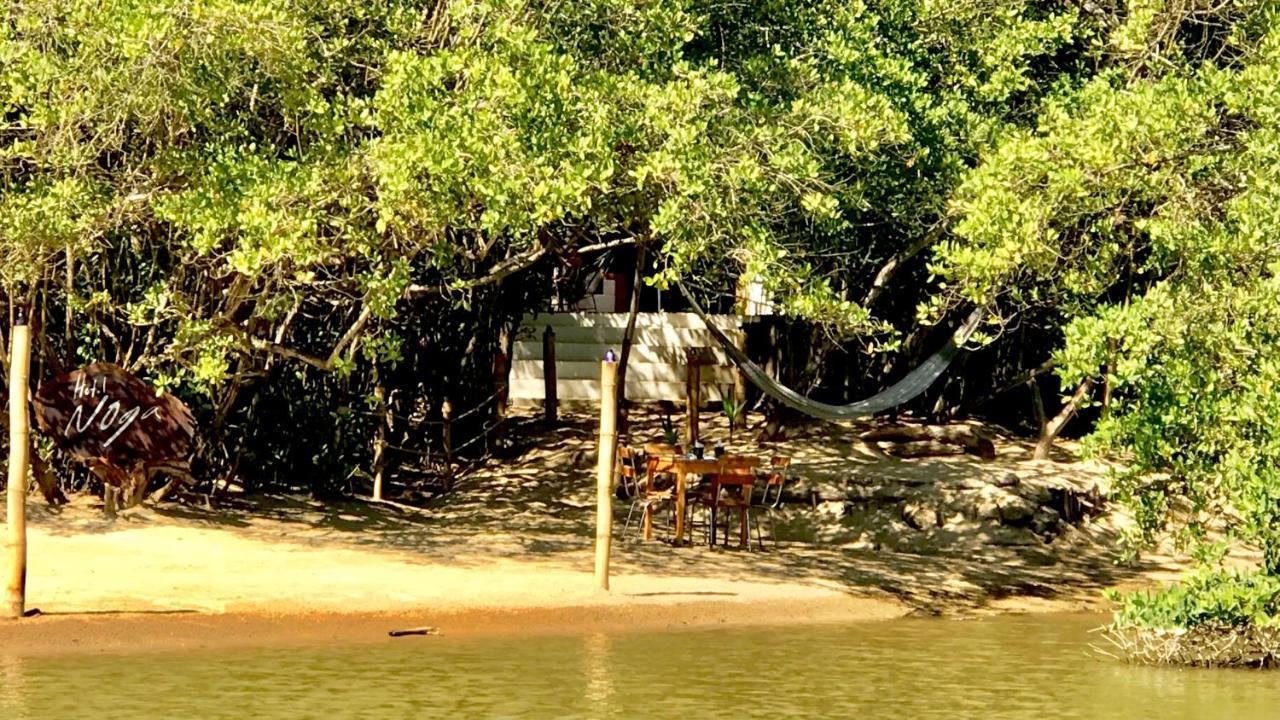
(502, 373)
(19, 441)
(380, 439)
(740, 382)
(549, 398)
(446, 414)
(605, 458)
(693, 387)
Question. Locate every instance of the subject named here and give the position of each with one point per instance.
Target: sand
(511, 551)
(148, 582)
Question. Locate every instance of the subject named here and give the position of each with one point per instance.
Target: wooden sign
(103, 414)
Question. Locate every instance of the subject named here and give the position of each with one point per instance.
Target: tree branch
(348, 339)
(891, 267)
(507, 268)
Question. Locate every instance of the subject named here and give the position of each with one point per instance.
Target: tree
(1142, 210)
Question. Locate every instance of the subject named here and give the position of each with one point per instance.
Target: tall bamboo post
(19, 441)
(605, 459)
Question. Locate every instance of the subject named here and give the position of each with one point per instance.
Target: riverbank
(510, 551)
(167, 631)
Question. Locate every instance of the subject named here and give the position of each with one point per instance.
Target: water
(1029, 667)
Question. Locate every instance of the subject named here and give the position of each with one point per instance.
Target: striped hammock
(915, 382)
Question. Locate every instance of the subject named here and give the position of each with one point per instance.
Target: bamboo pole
(604, 466)
(19, 441)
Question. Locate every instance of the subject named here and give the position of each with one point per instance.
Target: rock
(986, 506)
(1012, 537)
(827, 492)
(1036, 494)
(1045, 522)
(833, 509)
(1007, 480)
(1017, 511)
(859, 493)
(860, 542)
(921, 516)
(889, 493)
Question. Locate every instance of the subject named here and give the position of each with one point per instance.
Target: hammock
(916, 381)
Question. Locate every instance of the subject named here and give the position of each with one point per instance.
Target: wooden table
(682, 467)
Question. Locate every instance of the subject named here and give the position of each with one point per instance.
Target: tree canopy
(213, 190)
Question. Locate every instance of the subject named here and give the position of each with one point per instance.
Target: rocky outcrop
(949, 515)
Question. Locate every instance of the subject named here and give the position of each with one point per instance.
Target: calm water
(1000, 668)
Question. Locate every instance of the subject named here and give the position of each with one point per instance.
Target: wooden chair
(732, 489)
(634, 475)
(770, 496)
(657, 472)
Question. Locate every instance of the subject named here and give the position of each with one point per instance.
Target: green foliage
(1207, 598)
(1141, 214)
(356, 187)
(669, 435)
(732, 409)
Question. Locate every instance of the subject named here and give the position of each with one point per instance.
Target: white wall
(655, 371)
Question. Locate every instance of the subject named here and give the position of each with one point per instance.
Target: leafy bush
(1208, 598)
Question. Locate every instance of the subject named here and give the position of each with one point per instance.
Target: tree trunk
(47, 481)
(1037, 407)
(1055, 426)
(624, 354)
(135, 489)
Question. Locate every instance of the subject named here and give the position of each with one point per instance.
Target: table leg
(648, 522)
(680, 485)
(713, 515)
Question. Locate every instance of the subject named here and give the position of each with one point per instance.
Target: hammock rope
(909, 387)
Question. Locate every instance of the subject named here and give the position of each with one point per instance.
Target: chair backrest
(737, 475)
(661, 449)
(775, 478)
(629, 464)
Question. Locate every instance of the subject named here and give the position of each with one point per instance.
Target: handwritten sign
(102, 412)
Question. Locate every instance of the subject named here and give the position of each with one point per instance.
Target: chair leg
(627, 525)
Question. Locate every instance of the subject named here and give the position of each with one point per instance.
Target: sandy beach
(510, 551)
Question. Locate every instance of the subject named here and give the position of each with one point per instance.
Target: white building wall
(655, 370)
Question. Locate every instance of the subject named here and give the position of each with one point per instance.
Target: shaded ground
(519, 533)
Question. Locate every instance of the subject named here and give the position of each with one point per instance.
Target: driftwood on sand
(414, 631)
